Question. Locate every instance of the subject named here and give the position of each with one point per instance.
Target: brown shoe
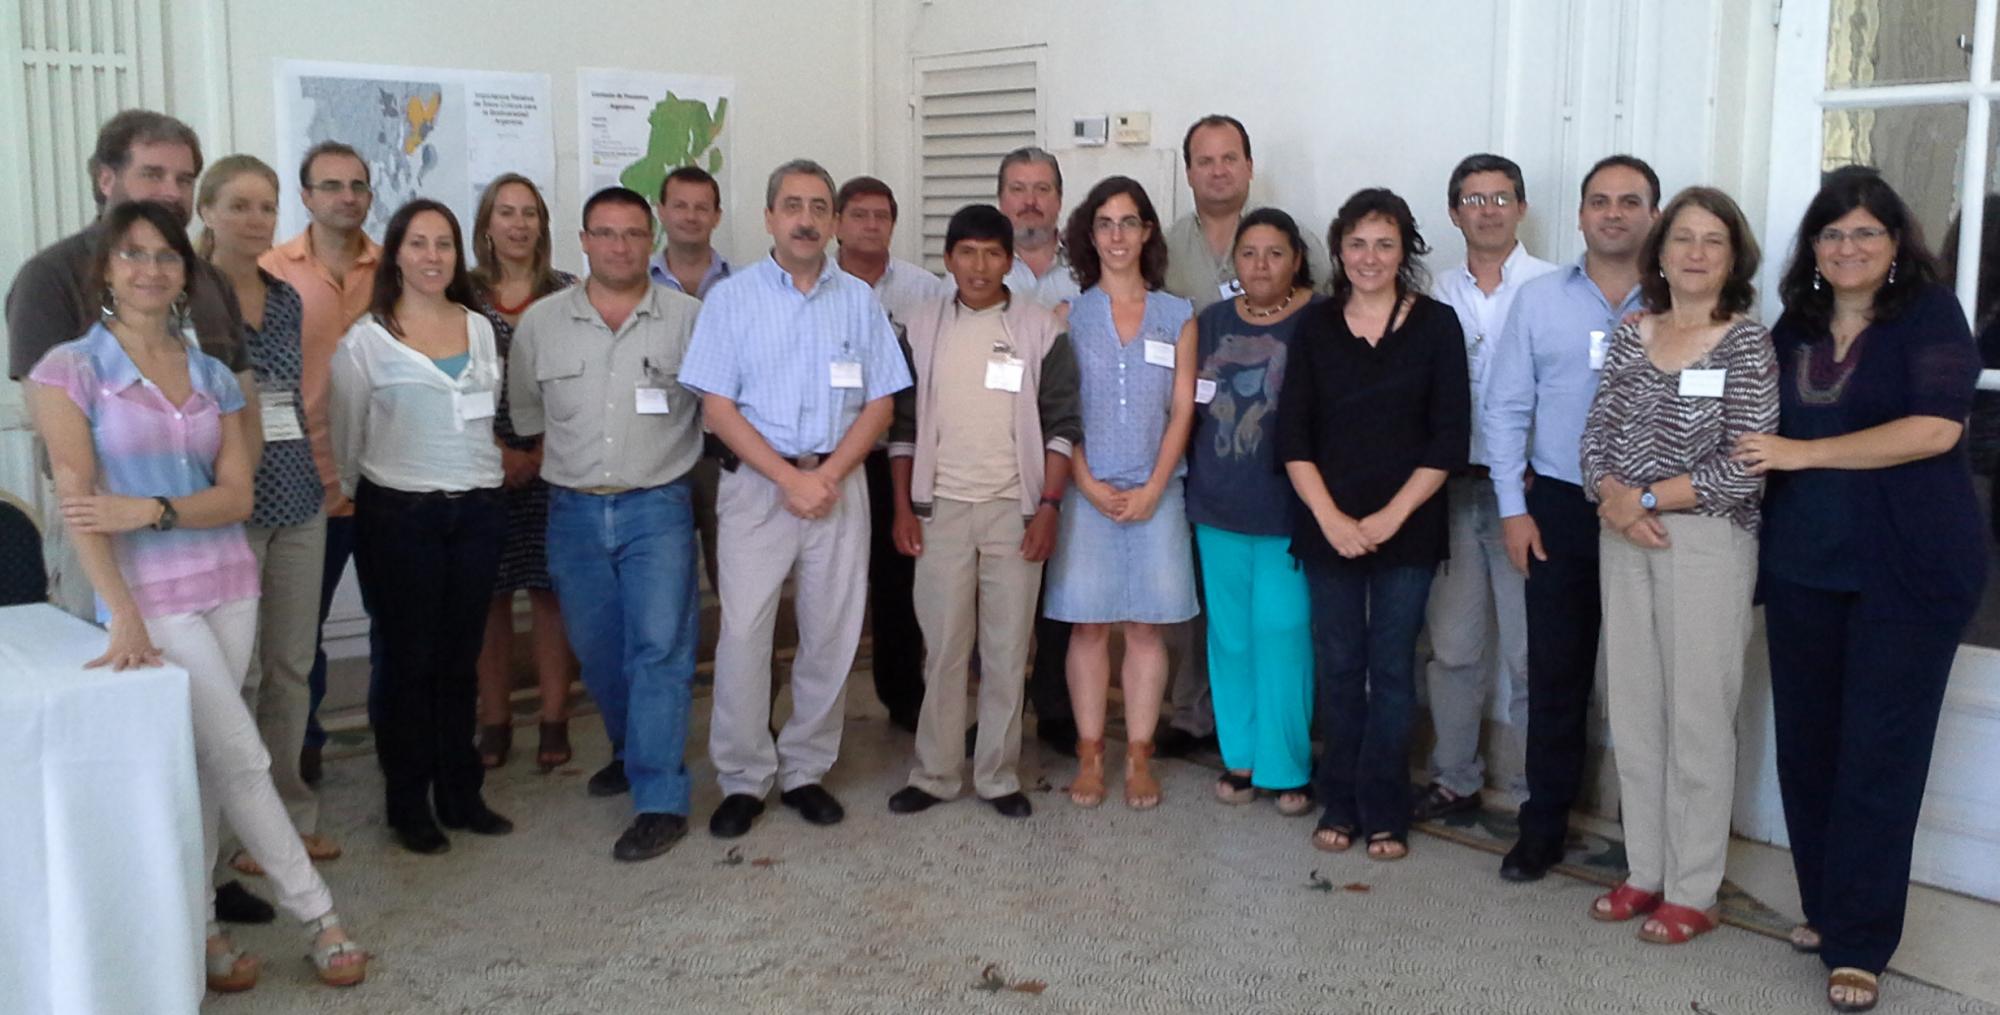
(1142, 791)
(1087, 789)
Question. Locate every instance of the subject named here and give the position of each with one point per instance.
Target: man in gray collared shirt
(597, 368)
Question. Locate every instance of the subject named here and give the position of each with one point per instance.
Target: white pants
(230, 761)
(1478, 623)
(759, 545)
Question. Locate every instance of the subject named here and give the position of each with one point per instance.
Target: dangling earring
(107, 307)
(1663, 272)
(1817, 280)
(1892, 273)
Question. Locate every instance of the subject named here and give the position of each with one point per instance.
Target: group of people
(1266, 464)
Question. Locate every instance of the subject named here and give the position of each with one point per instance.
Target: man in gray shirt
(1201, 262)
(596, 369)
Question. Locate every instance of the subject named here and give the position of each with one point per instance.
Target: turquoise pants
(1260, 657)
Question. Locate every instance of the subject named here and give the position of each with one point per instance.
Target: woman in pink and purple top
(153, 464)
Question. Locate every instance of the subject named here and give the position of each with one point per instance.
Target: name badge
(1204, 391)
(1702, 383)
(651, 401)
(280, 413)
(1597, 344)
(846, 374)
(1231, 289)
(474, 405)
(1160, 354)
(1004, 374)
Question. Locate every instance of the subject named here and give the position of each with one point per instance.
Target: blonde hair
(225, 169)
(486, 270)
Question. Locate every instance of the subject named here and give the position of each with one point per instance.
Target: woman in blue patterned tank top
(1123, 555)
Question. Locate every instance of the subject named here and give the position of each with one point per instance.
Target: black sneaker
(235, 904)
(1437, 802)
(610, 780)
(649, 836)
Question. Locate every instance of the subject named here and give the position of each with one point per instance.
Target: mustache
(806, 233)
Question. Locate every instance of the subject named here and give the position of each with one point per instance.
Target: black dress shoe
(1529, 861)
(814, 804)
(735, 815)
(910, 800)
(235, 904)
(1174, 742)
(1057, 734)
(609, 780)
(1013, 805)
(478, 819)
(309, 770)
(1437, 802)
(649, 836)
(423, 837)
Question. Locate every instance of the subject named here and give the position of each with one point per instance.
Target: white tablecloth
(100, 828)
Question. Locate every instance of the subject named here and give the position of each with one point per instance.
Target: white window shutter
(972, 109)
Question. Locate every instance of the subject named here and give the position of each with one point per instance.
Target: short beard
(1033, 237)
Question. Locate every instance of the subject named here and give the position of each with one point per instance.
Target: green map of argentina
(682, 133)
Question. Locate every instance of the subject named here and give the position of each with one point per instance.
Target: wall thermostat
(1090, 130)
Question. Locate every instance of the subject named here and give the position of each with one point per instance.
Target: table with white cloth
(100, 827)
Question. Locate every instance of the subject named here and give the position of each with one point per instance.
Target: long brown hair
(486, 271)
(225, 169)
(389, 276)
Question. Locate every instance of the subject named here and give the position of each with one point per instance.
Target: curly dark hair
(1078, 235)
(1379, 201)
(1842, 191)
(1739, 290)
(1283, 223)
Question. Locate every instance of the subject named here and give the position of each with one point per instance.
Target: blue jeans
(624, 569)
(1365, 622)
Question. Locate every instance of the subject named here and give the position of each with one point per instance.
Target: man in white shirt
(1487, 200)
(1031, 191)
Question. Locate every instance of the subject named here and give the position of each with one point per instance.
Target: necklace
(515, 310)
(1262, 314)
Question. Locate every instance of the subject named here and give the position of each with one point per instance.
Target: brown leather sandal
(1087, 789)
(554, 751)
(1862, 987)
(1142, 791)
(495, 743)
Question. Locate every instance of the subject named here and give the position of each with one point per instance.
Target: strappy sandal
(1087, 789)
(1678, 924)
(1804, 938)
(322, 956)
(1394, 846)
(230, 971)
(1235, 788)
(1623, 903)
(1142, 791)
(1295, 802)
(1855, 982)
(554, 751)
(1333, 838)
(495, 743)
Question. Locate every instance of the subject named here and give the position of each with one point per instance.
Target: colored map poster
(633, 127)
(424, 132)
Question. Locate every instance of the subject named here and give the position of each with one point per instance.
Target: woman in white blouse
(414, 385)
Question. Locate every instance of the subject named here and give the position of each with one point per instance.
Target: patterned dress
(524, 559)
(288, 490)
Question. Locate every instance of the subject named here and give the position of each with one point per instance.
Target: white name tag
(1004, 374)
(475, 405)
(651, 401)
(1231, 289)
(1160, 354)
(1204, 391)
(846, 374)
(1702, 383)
(1597, 344)
(280, 415)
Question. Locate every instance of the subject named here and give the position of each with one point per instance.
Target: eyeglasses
(359, 188)
(1128, 224)
(1502, 200)
(1862, 236)
(137, 258)
(605, 234)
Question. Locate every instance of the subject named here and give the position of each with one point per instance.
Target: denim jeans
(624, 567)
(1365, 622)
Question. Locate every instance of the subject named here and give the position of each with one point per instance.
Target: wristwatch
(1647, 500)
(1052, 500)
(168, 516)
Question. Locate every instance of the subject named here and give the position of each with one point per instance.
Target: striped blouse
(1641, 429)
(148, 447)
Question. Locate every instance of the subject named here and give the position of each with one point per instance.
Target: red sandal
(1623, 903)
(1681, 924)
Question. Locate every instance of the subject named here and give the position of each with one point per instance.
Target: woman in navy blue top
(1871, 563)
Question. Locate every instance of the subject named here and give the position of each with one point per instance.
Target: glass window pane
(1919, 149)
(1896, 42)
(1983, 431)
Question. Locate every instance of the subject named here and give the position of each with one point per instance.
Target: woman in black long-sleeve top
(1375, 413)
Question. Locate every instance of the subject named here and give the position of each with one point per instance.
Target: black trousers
(898, 641)
(1855, 700)
(1564, 617)
(427, 562)
(1048, 678)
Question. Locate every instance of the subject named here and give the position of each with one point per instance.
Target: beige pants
(760, 544)
(971, 582)
(1676, 623)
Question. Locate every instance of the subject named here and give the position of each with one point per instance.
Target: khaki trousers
(971, 583)
(1676, 623)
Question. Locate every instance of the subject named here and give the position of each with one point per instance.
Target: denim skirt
(1106, 572)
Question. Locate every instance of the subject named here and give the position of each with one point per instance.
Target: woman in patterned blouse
(1680, 384)
(238, 204)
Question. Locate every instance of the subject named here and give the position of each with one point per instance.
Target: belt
(601, 491)
(379, 491)
(803, 462)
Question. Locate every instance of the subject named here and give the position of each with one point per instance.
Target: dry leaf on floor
(733, 858)
(764, 861)
(1317, 883)
(1354, 886)
(992, 982)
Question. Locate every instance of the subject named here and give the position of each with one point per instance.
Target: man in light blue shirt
(796, 363)
(690, 207)
(1539, 387)
(1030, 194)
(1487, 199)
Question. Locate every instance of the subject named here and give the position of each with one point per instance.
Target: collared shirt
(1058, 286)
(399, 421)
(774, 351)
(904, 287)
(1481, 316)
(46, 306)
(331, 307)
(1541, 381)
(580, 382)
(149, 447)
(718, 269)
(1194, 272)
